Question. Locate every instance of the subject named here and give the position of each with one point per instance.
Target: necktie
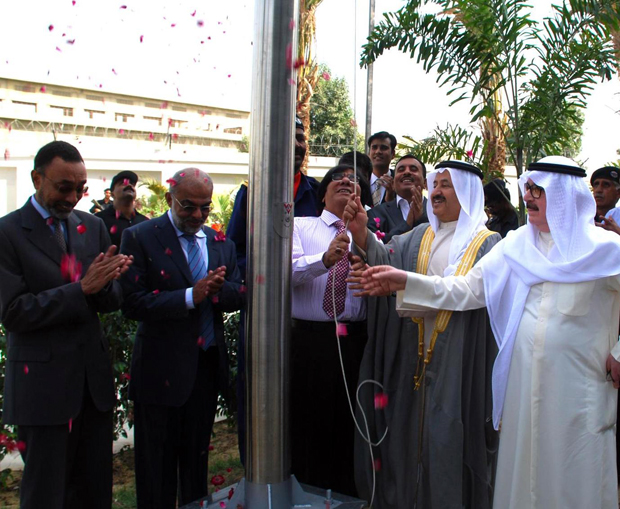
(339, 273)
(59, 236)
(198, 269)
(376, 194)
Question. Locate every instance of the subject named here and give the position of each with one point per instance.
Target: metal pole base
(288, 494)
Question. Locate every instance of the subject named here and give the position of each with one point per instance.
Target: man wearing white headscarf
(440, 449)
(552, 290)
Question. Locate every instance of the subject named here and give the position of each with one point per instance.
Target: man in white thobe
(552, 289)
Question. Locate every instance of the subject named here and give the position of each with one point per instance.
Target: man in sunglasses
(123, 213)
(435, 367)
(185, 275)
(552, 289)
(57, 272)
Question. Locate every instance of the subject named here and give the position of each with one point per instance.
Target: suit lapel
(77, 240)
(167, 237)
(37, 231)
(212, 249)
(394, 212)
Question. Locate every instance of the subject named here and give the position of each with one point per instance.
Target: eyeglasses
(534, 190)
(64, 188)
(190, 209)
(337, 177)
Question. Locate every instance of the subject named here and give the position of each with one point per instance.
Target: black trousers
(172, 443)
(322, 433)
(69, 466)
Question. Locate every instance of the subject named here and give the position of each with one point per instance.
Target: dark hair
(107, 189)
(322, 189)
(496, 191)
(382, 135)
(49, 152)
(364, 164)
(411, 156)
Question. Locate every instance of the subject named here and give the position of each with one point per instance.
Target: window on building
(66, 112)
(176, 123)
(153, 120)
(94, 113)
(25, 107)
(122, 117)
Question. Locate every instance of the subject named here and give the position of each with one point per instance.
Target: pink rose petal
(26, 369)
(113, 229)
(341, 330)
(381, 400)
(81, 229)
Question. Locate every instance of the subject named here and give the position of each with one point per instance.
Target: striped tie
(336, 288)
(59, 235)
(197, 266)
(376, 194)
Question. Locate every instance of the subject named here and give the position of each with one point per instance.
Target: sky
(201, 52)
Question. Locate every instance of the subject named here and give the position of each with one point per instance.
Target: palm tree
(308, 68)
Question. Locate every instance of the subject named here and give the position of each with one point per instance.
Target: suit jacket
(55, 341)
(165, 355)
(391, 220)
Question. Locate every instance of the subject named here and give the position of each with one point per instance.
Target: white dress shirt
(403, 205)
(311, 239)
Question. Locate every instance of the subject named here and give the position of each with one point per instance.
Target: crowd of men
(463, 322)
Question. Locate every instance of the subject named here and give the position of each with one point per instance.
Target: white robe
(557, 443)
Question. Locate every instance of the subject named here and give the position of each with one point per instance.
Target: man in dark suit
(408, 210)
(184, 275)
(57, 271)
(381, 149)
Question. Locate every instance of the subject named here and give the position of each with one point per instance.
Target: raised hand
(382, 280)
(338, 247)
(357, 219)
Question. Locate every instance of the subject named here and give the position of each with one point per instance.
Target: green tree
(332, 132)
(531, 79)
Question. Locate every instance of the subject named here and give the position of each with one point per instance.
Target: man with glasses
(435, 368)
(321, 424)
(123, 213)
(552, 290)
(184, 276)
(57, 272)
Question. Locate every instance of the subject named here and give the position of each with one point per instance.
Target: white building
(114, 132)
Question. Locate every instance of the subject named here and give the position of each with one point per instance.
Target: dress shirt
(311, 239)
(45, 214)
(403, 205)
(201, 240)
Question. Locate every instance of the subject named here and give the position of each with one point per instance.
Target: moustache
(531, 206)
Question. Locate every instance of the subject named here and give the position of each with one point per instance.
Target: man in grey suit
(57, 271)
(408, 210)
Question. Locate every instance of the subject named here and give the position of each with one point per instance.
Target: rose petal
(26, 369)
(43, 89)
(21, 446)
(81, 229)
(113, 229)
(155, 292)
(377, 464)
(201, 341)
(341, 330)
(218, 480)
(215, 299)
(381, 400)
(141, 38)
(168, 251)
(50, 28)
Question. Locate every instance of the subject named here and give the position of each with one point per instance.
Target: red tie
(340, 271)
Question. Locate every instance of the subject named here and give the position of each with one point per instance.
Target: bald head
(189, 177)
(189, 199)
